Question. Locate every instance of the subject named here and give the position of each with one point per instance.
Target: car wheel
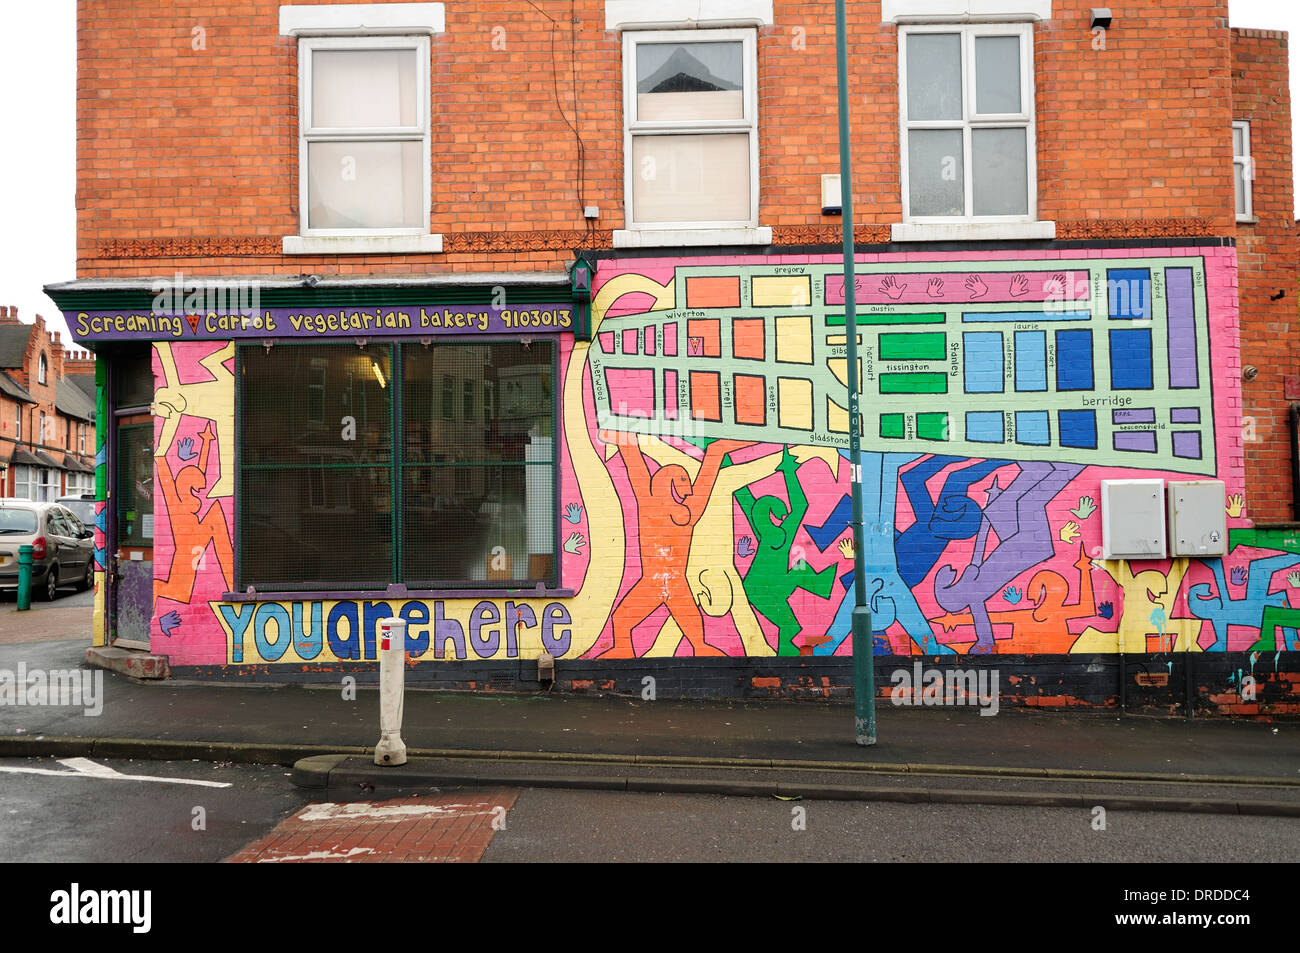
(52, 583)
(88, 579)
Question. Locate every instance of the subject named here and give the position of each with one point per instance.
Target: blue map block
(1074, 360)
(1031, 360)
(1032, 428)
(1130, 359)
(1078, 428)
(1128, 293)
(984, 426)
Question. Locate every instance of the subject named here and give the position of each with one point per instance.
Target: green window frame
(352, 477)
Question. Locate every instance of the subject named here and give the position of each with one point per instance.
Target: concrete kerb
(345, 773)
(323, 766)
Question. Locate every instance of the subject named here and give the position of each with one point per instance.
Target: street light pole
(864, 675)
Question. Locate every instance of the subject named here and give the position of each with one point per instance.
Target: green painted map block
(913, 347)
(919, 383)
(837, 320)
(932, 426)
(891, 425)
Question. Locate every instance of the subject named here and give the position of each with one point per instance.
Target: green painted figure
(771, 580)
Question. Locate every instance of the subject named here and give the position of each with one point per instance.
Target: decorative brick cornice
(552, 240)
(565, 239)
(1100, 228)
(189, 247)
(828, 234)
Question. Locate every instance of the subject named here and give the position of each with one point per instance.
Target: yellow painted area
(214, 399)
(664, 295)
(784, 291)
(795, 403)
(840, 368)
(837, 417)
(794, 339)
(98, 633)
(1148, 606)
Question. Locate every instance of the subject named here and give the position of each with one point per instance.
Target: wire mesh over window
(316, 460)
(326, 447)
(478, 464)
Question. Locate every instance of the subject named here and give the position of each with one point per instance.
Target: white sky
(38, 157)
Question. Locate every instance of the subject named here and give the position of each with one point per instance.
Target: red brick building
(47, 412)
(527, 322)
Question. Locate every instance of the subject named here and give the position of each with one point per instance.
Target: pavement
(607, 742)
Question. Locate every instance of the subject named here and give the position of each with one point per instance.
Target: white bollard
(391, 750)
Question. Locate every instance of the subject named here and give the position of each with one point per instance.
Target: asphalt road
(567, 826)
(73, 815)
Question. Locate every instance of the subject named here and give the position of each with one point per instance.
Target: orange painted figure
(668, 506)
(182, 495)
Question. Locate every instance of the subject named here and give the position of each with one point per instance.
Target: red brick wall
(201, 144)
(1266, 256)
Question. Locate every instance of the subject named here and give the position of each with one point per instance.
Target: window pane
(135, 462)
(363, 88)
(1238, 141)
(690, 81)
(132, 378)
(365, 185)
(316, 404)
(935, 185)
(934, 76)
(691, 178)
(997, 74)
(1001, 175)
(478, 483)
(316, 529)
(1239, 187)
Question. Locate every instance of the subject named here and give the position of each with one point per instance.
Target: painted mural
(705, 476)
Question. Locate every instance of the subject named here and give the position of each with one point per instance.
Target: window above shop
(967, 132)
(364, 137)
(1243, 171)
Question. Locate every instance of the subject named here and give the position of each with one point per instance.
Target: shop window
(423, 495)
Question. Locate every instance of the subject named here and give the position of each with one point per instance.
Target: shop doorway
(131, 469)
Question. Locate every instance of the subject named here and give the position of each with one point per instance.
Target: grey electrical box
(1132, 519)
(1198, 525)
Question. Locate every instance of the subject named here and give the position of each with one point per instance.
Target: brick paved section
(445, 828)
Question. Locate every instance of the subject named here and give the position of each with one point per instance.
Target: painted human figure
(668, 506)
(1148, 610)
(182, 496)
(771, 580)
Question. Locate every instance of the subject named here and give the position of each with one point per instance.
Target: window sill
(956, 11)
(971, 231)
(1247, 220)
(361, 244)
(677, 237)
(395, 592)
(671, 14)
(362, 18)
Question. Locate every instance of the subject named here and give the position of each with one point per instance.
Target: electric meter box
(1132, 519)
(1198, 525)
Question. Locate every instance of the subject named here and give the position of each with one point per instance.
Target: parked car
(62, 547)
(83, 507)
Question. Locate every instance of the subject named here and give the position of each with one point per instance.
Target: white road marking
(84, 768)
(317, 855)
(330, 811)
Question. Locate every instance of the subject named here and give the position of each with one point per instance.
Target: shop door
(131, 563)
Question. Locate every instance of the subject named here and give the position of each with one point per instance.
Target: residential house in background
(526, 322)
(47, 412)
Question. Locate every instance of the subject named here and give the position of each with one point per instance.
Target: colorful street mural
(705, 471)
